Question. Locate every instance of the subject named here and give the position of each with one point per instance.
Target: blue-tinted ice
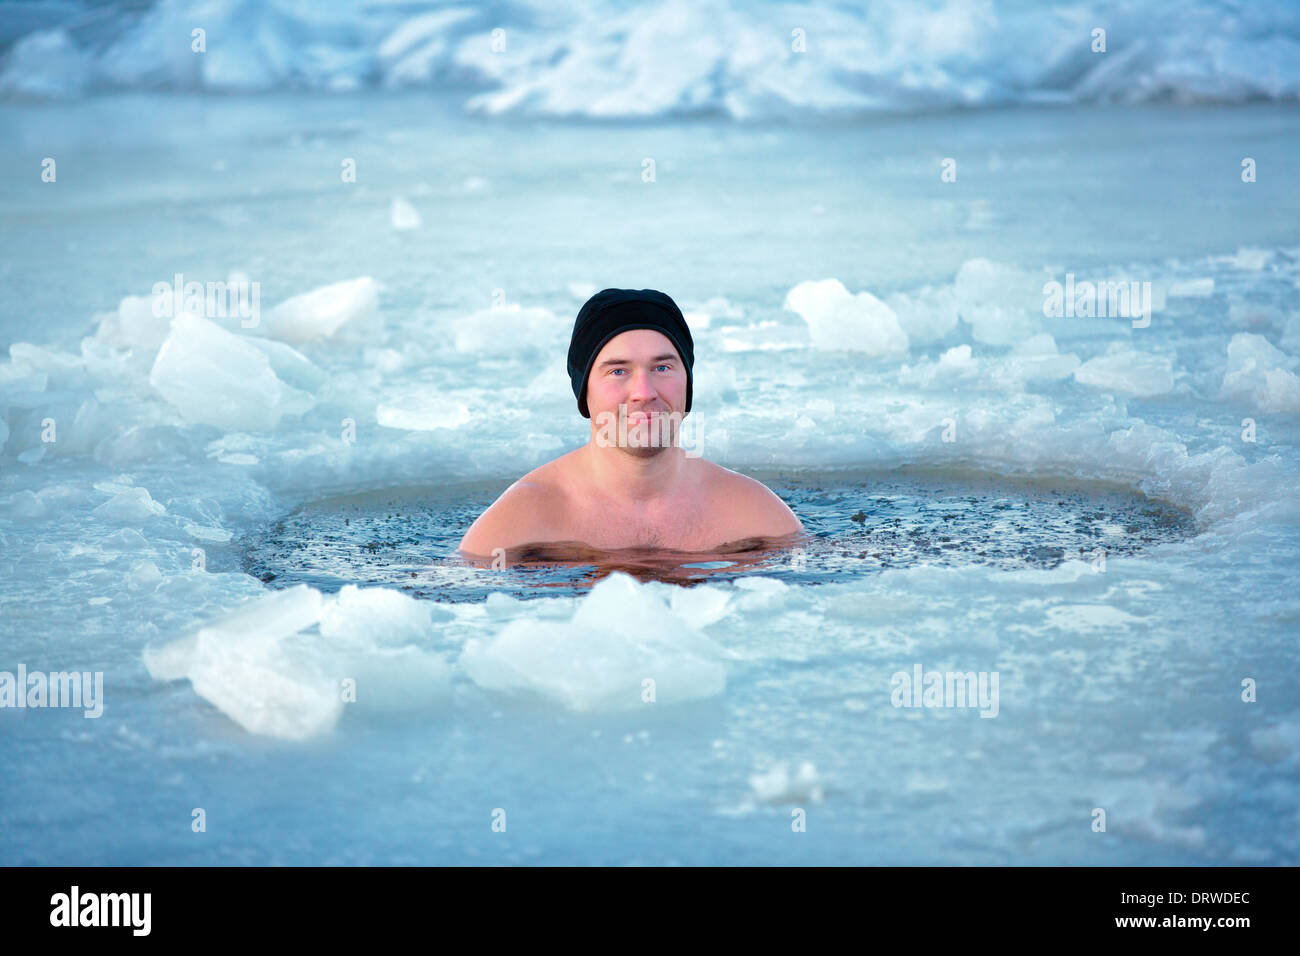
(127, 542)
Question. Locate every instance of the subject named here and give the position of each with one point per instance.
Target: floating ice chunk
(263, 688)
(1280, 392)
(762, 584)
(1260, 373)
(319, 314)
(760, 593)
(993, 324)
(134, 325)
(511, 328)
(420, 411)
(1191, 289)
(272, 616)
(403, 215)
(26, 504)
(143, 574)
(239, 665)
(779, 785)
(838, 320)
(130, 506)
(998, 302)
(1249, 260)
(1129, 372)
(236, 449)
(701, 606)
(289, 364)
(170, 661)
(67, 495)
(215, 377)
(207, 533)
(390, 679)
(269, 617)
(18, 377)
(386, 360)
(621, 636)
(152, 443)
(502, 607)
(926, 316)
(1036, 360)
(377, 617)
(263, 668)
(1036, 346)
(957, 357)
(716, 308)
(122, 367)
(376, 638)
(62, 370)
(127, 539)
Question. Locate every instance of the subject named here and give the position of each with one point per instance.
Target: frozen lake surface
(136, 542)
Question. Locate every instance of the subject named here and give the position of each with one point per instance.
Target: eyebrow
(668, 356)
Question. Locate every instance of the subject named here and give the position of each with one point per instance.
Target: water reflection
(644, 564)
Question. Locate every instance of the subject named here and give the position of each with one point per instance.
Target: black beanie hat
(612, 311)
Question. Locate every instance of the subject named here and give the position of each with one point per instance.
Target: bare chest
(686, 525)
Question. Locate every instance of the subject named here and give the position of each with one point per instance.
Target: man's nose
(642, 386)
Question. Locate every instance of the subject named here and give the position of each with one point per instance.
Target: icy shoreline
(613, 60)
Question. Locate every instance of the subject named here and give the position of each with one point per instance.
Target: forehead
(637, 344)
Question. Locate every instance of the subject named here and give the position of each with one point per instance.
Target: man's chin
(644, 437)
(643, 451)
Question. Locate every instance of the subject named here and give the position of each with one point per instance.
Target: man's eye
(664, 367)
(615, 371)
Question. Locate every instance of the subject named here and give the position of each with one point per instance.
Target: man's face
(641, 370)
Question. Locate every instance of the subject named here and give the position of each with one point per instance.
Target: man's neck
(634, 478)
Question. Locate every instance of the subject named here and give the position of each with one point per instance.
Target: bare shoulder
(762, 510)
(529, 511)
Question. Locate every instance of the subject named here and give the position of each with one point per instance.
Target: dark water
(856, 524)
